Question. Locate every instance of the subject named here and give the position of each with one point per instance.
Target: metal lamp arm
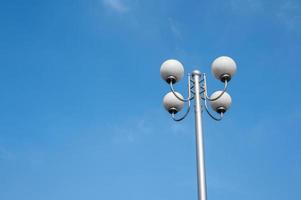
(189, 91)
(173, 115)
(205, 89)
(187, 100)
(213, 99)
(211, 115)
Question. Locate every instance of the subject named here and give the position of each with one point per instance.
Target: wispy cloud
(289, 14)
(220, 183)
(175, 29)
(5, 154)
(116, 5)
(130, 131)
(138, 128)
(246, 6)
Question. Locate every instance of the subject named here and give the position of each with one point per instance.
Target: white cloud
(175, 29)
(5, 154)
(286, 12)
(246, 6)
(135, 129)
(131, 130)
(116, 5)
(289, 15)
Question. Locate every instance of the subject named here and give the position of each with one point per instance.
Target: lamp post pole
(200, 159)
(172, 71)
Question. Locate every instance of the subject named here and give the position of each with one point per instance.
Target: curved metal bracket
(184, 116)
(211, 115)
(213, 99)
(189, 91)
(188, 99)
(219, 96)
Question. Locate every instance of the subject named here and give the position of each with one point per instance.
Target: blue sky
(81, 113)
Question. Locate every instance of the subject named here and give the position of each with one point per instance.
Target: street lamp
(223, 68)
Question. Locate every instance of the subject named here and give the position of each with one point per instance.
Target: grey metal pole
(201, 177)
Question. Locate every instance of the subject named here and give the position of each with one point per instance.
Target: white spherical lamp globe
(223, 68)
(172, 70)
(171, 103)
(221, 104)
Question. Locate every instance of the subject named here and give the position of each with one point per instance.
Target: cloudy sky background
(81, 113)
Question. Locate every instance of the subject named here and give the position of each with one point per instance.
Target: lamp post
(172, 71)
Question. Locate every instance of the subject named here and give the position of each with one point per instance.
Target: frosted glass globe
(172, 103)
(223, 65)
(172, 68)
(221, 104)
